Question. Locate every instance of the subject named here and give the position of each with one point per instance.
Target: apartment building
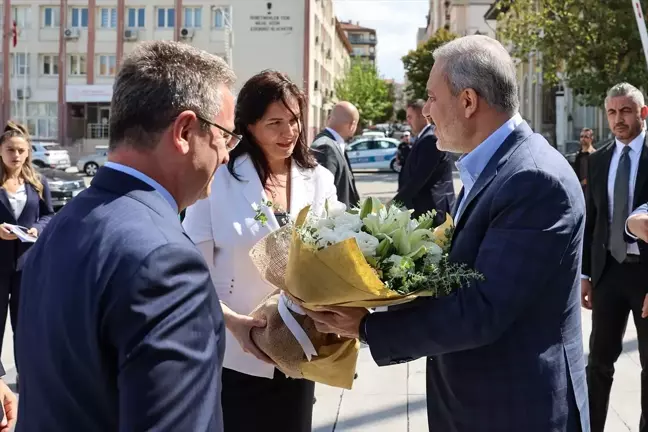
(463, 17)
(58, 71)
(362, 39)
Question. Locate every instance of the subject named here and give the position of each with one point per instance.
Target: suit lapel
(5, 201)
(501, 156)
(606, 160)
(32, 198)
(301, 188)
(254, 193)
(642, 174)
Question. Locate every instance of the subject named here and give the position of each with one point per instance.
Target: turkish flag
(14, 32)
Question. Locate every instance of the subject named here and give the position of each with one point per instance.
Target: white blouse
(18, 200)
(224, 228)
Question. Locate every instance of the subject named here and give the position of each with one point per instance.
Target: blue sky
(396, 23)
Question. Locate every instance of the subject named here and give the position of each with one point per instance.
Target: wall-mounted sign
(88, 93)
(270, 22)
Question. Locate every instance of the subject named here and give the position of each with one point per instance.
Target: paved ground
(392, 399)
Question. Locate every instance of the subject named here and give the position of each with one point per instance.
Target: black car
(64, 186)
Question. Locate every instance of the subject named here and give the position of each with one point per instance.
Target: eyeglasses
(231, 139)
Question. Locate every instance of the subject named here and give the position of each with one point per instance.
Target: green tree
(588, 44)
(418, 63)
(401, 115)
(366, 90)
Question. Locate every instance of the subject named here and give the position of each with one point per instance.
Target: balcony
(362, 40)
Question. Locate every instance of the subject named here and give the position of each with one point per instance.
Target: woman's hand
(32, 232)
(240, 326)
(5, 234)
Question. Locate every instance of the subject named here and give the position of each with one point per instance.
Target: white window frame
(56, 17)
(112, 13)
(54, 64)
(22, 69)
(138, 24)
(80, 9)
(22, 16)
(192, 10)
(107, 60)
(42, 123)
(78, 70)
(166, 17)
(224, 12)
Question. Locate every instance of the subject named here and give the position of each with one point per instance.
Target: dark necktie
(618, 246)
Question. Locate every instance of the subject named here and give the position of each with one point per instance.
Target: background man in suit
(328, 149)
(505, 353)
(426, 180)
(119, 313)
(614, 281)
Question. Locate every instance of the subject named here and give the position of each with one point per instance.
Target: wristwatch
(362, 333)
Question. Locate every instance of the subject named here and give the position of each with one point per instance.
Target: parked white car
(376, 134)
(50, 155)
(373, 153)
(90, 164)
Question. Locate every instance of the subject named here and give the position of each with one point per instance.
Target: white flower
(367, 243)
(347, 222)
(335, 208)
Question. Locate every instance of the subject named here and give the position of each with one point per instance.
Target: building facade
(363, 41)
(463, 17)
(57, 77)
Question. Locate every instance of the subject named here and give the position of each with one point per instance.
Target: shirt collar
(337, 136)
(635, 145)
(472, 164)
(146, 179)
(420, 134)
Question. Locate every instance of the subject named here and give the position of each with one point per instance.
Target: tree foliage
(589, 44)
(418, 63)
(366, 90)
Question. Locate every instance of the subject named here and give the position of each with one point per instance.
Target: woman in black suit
(25, 201)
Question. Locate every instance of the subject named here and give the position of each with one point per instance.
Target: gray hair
(156, 82)
(482, 64)
(625, 89)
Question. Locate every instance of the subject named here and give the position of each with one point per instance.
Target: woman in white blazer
(272, 163)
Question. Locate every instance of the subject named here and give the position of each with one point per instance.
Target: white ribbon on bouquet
(286, 305)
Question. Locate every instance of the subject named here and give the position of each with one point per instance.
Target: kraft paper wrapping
(334, 276)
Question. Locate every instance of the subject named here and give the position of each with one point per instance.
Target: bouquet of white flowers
(374, 255)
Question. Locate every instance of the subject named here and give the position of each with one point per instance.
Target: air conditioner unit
(316, 85)
(72, 33)
(329, 55)
(23, 93)
(186, 33)
(130, 34)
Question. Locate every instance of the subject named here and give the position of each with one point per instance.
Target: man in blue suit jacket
(504, 354)
(120, 327)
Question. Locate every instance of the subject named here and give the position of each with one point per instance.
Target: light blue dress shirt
(146, 179)
(472, 164)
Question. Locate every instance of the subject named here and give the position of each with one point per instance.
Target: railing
(97, 131)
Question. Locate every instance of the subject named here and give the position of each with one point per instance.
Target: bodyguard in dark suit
(425, 183)
(25, 200)
(614, 280)
(504, 354)
(328, 149)
(120, 327)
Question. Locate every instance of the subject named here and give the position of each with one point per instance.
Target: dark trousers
(9, 297)
(253, 404)
(620, 291)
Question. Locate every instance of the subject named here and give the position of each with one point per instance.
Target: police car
(373, 153)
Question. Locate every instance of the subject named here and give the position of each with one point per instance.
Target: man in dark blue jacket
(120, 328)
(504, 354)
